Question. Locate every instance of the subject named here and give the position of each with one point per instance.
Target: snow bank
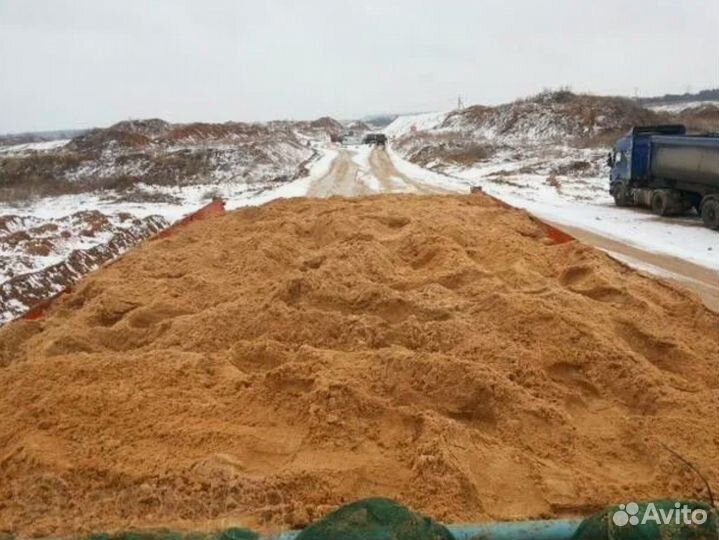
(403, 125)
(297, 188)
(411, 170)
(593, 210)
(33, 147)
(680, 107)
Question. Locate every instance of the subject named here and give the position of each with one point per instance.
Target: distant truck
(667, 170)
(379, 139)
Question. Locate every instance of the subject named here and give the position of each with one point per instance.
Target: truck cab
(619, 160)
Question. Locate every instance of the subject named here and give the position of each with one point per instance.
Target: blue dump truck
(665, 169)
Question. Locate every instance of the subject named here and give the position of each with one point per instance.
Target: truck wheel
(621, 197)
(660, 204)
(710, 214)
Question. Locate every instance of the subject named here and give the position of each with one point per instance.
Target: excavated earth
(262, 367)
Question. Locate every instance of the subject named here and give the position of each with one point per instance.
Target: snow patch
(406, 124)
(590, 207)
(33, 147)
(680, 107)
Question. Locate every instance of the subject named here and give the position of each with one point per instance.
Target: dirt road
(383, 168)
(342, 179)
(354, 174)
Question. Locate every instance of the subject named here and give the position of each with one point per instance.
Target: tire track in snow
(350, 177)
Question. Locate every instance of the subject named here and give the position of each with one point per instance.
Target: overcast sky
(80, 63)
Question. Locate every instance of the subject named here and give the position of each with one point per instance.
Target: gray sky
(81, 63)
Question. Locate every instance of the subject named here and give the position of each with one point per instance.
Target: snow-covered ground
(30, 243)
(41, 256)
(414, 122)
(681, 106)
(33, 147)
(50, 208)
(297, 188)
(542, 180)
(427, 176)
(360, 157)
(169, 202)
(685, 238)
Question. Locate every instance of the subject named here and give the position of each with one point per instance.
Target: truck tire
(621, 197)
(710, 214)
(661, 205)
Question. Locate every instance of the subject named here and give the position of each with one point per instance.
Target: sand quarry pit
(261, 367)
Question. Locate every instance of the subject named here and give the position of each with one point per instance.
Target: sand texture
(262, 367)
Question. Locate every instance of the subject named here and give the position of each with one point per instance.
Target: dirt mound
(583, 119)
(137, 133)
(27, 177)
(545, 128)
(150, 127)
(357, 126)
(704, 118)
(154, 152)
(328, 124)
(102, 139)
(200, 131)
(263, 367)
(38, 258)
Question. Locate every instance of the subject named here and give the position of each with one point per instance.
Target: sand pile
(262, 367)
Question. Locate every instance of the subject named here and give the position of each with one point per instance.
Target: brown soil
(262, 367)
